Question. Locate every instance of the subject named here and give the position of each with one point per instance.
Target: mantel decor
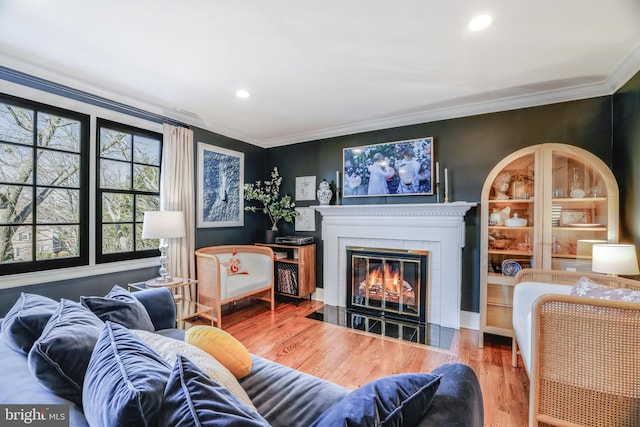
(397, 168)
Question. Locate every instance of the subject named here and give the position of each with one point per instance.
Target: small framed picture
(573, 217)
(306, 220)
(305, 188)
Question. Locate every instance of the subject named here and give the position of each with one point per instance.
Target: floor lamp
(614, 259)
(163, 225)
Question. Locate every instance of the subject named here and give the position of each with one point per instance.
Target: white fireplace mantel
(435, 227)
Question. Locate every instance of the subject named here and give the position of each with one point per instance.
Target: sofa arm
(458, 401)
(160, 305)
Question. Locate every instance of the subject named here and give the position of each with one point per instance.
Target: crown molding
(609, 85)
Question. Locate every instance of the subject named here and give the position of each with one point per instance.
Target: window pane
(60, 241)
(58, 132)
(145, 244)
(58, 169)
(15, 244)
(15, 204)
(16, 164)
(117, 207)
(58, 206)
(115, 175)
(115, 145)
(146, 203)
(16, 124)
(146, 178)
(117, 238)
(146, 150)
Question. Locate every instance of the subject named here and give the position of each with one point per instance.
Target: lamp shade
(163, 225)
(615, 259)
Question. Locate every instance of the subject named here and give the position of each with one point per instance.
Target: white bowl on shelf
(515, 221)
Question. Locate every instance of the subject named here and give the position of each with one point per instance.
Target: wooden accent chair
(585, 354)
(217, 286)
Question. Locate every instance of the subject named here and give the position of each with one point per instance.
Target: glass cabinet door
(578, 211)
(512, 216)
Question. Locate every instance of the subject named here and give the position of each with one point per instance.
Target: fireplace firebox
(388, 283)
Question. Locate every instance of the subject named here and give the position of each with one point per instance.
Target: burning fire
(385, 282)
(386, 276)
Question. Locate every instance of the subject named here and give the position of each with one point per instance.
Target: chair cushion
(585, 287)
(191, 398)
(59, 358)
(169, 348)
(120, 306)
(125, 380)
(26, 320)
(395, 400)
(242, 284)
(222, 346)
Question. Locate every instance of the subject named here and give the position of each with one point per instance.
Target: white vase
(324, 193)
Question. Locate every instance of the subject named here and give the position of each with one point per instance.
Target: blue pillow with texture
(125, 380)
(120, 306)
(59, 358)
(395, 400)
(191, 398)
(26, 320)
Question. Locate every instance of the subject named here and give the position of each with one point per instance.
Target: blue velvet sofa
(282, 396)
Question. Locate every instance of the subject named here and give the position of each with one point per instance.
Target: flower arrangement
(267, 193)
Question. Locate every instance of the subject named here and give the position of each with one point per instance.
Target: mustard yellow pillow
(222, 346)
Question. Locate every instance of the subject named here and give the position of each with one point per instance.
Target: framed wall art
(220, 197)
(306, 220)
(398, 168)
(305, 188)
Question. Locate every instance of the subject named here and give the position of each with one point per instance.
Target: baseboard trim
(469, 320)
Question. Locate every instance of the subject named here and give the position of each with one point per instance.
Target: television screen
(397, 168)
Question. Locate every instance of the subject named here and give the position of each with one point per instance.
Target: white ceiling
(318, 69)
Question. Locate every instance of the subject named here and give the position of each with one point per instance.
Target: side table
(186, 309)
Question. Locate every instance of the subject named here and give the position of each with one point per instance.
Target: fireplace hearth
(387, 283)
(426, 334)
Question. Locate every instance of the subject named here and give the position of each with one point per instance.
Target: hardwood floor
(352, 358)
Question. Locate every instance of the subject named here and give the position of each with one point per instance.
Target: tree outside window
(128, 185)
(43, 184)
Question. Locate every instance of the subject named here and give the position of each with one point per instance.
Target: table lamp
(614, 259)
(163, 225)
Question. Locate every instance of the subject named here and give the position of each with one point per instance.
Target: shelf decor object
(542, 207)
(163, 225)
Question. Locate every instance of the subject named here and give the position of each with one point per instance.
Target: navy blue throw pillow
(26, 320)
(120, 306)
(59, 358)
(191, 398)
(395, 400)
(125, 380)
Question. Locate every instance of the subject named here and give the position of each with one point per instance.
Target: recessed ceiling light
(243, 93)
(480, 22)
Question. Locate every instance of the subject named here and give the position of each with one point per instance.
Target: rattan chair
(585, 364)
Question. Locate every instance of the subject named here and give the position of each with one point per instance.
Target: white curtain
(177, 194)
